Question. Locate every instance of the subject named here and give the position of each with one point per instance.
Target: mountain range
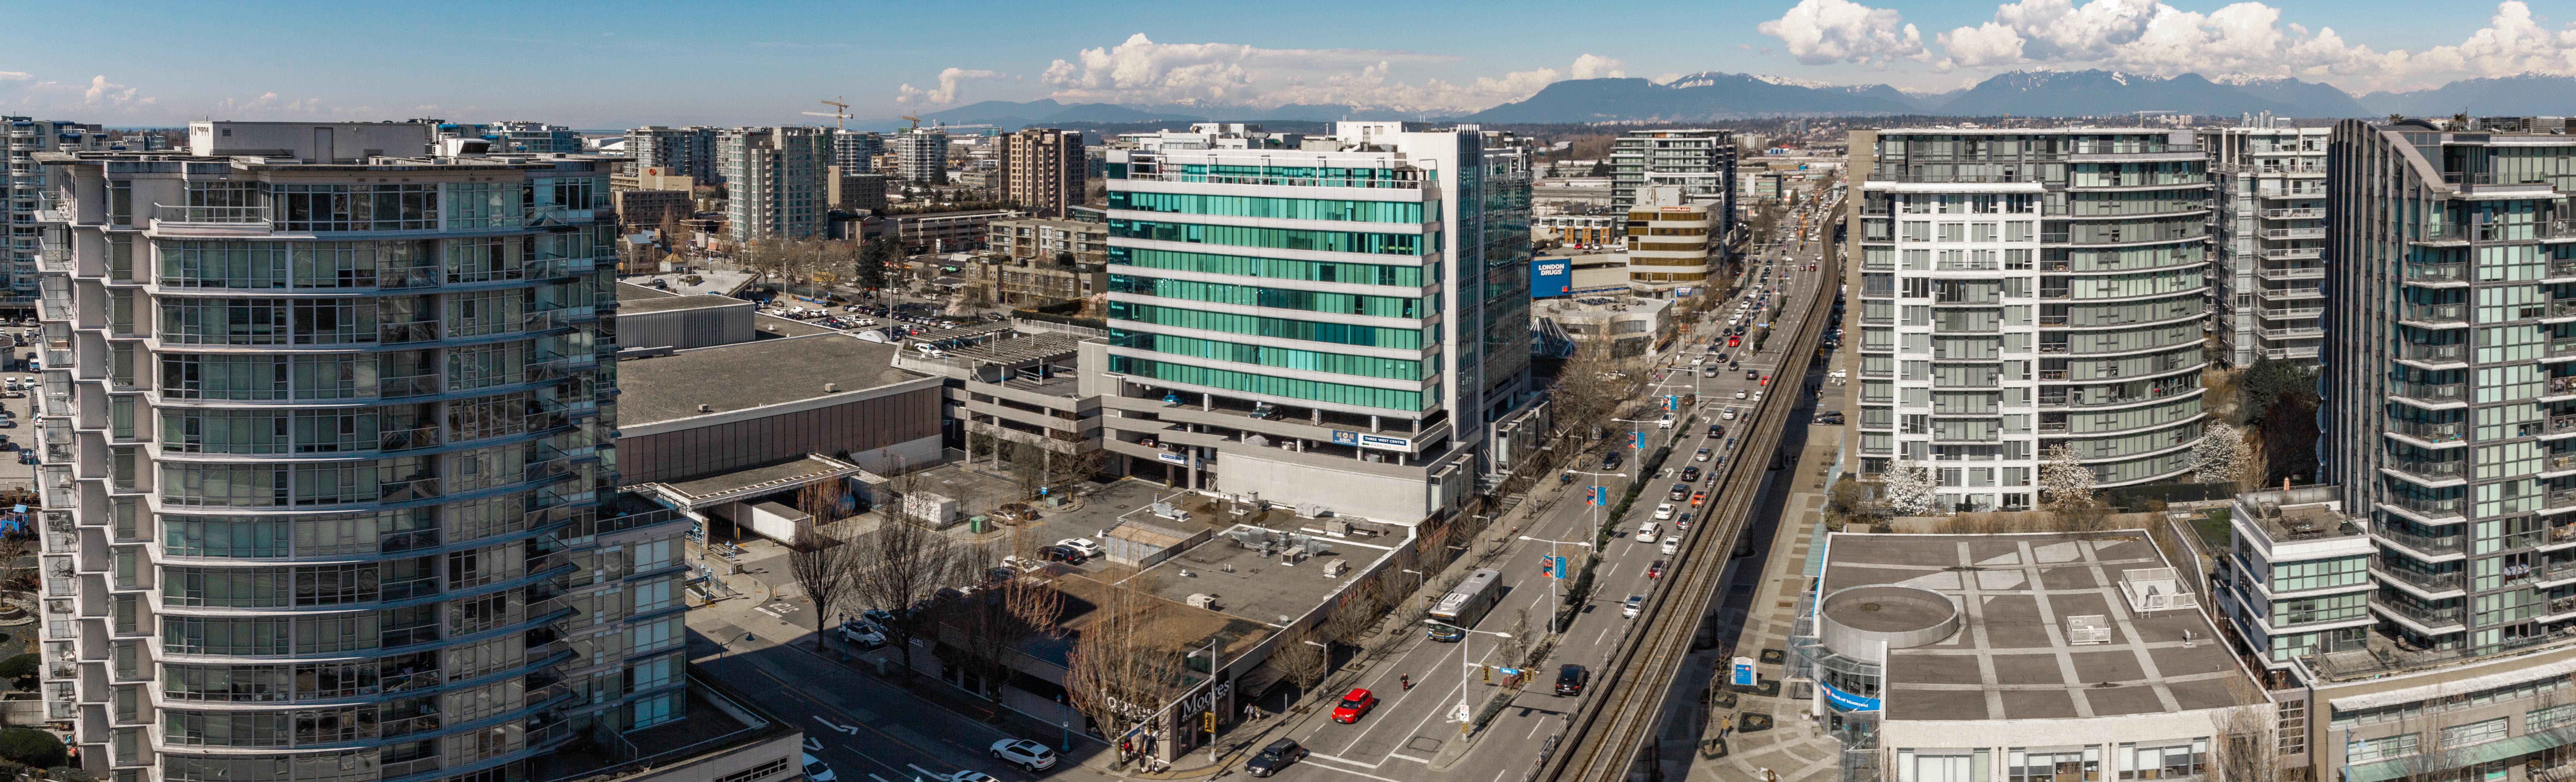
(1720, 96)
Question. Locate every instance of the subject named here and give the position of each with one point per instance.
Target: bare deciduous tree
(902, 563)
(1302, 660)
(1123, 666)
(1357, 614)
(2247, 745)
(821, 564)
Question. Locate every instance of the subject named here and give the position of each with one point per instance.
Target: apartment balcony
(2558, 231)
(2299, 193)
(2561, 386)
(2445, 581)
(2291, 313)
(2427, 618)
(2293, 333)
(2285, 294)
(2562, 270)
(2437, 433)
(2436, 273)
(2562, 348)
(2449, 507)
(2284, 253)
(2292, 273)
(2430, 472)
(2454, 353)
(2294, 233)
(2294, 214)
(2432, 394)
(2560, 425)
(2558, 464)
(2561, 308)
(210, 220)
(2434, 314)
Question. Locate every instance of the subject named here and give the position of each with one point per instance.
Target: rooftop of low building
(752, 374)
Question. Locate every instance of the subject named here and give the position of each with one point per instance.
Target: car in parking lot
(1355, 704)
(1664, 512)
(863, 633)
(1634, 604)
(1571, 678)
(1088, 547)
(1065, 554)
(1030, 756)
(1274, 756)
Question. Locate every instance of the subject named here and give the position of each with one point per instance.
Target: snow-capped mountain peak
(1788, 81)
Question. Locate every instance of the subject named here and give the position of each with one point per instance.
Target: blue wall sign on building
(1173, 458)
(1740, 673)
(1846, 701)
(1551, 277)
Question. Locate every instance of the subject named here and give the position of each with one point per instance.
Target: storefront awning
(2451, 759)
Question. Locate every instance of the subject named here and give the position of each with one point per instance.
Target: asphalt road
(1407, 730)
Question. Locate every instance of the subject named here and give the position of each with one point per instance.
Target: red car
(1734, 342)
(1355, 704)
(1766, 380)
(1655, 570)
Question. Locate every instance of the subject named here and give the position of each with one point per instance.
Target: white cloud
(946, 92)
(1820, 32)
(16, 76)
(2246, 38)
(1593, 66)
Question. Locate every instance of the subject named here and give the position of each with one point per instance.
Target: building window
(2171, 761)
(2063, 765)
(2474, 733)
(1943, 766)
(2382, 748)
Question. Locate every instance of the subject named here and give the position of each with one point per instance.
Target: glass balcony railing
(210, 215)
(2428, 508)
(2427, 616)
(2437, 272)
(2435, 313)
(2434, 354)
(2429, 392)
(2433, 431)
(2425, 580)
(2430, 469)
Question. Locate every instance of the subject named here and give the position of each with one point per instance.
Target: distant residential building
(921, 155)
(1700, 162)
(2269, 242)
(856, 190)
(774, 181)
(1042, 239)
(1210, 135)
(1669, 241)
(517, 136)
(1581, 230)
(1043, 170)
(689, 151)
(856, 151)
(943, 232)
(629, 176)
(646, 208)
(27, 192)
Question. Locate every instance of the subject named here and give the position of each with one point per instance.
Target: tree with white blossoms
(2064, 481)
(2221, 456)
(1907, 488)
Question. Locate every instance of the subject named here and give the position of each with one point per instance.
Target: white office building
(921, 155)
(2269, 239)
(1344, 325)
(775, 185)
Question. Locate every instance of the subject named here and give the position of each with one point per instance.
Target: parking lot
(15, 428)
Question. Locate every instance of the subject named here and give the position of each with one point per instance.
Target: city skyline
(754, 71)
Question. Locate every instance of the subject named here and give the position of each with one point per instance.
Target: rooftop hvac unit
(1203, 600)
(2088, 629)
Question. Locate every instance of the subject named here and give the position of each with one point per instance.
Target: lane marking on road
(1322, 756)
(1392, 756)
(1354, 773)
(1605, 633)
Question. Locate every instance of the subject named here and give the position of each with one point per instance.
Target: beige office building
(1668, 241)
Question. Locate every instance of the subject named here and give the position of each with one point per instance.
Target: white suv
(1087, 546)
(1029, 755)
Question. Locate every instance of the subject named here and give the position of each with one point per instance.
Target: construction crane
(840, 114)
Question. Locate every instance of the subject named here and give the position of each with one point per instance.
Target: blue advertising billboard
(1551, 277)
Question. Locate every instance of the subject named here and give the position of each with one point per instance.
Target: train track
(1602, 738)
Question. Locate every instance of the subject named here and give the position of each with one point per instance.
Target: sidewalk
(1792, 746)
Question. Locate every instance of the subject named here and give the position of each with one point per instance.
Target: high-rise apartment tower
(1043, 170)
(774, 181)
(2268, 240)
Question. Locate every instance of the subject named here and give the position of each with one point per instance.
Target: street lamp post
(1466, 713)
(1554, 597)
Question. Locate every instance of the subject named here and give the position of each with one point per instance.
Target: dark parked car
(1570, 679)
(1061, 554)
(1274, 757)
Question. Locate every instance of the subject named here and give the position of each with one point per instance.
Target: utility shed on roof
(683, 322)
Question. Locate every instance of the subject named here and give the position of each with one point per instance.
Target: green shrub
(20, 666)
(32, 747)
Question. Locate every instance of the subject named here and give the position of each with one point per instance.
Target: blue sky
(601, 64)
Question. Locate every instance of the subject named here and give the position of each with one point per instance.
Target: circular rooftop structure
(1863, 622)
